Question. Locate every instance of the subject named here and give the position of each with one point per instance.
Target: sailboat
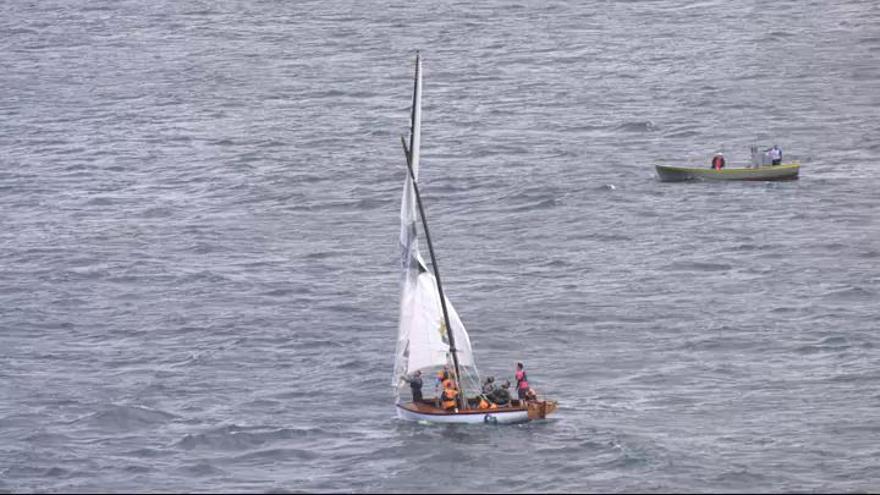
(431, 336)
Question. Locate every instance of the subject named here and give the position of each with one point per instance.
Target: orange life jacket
(449, 396)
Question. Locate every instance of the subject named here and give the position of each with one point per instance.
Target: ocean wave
(235, 438)
(122, 417)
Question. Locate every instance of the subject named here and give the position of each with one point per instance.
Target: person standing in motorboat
(775, 155)
(718, 161)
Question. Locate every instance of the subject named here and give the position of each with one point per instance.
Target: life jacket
(718, 162)
(449, 396)
(484, 404)
(521, 381)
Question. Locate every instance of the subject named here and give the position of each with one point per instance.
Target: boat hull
(788, 171)
(506, 415)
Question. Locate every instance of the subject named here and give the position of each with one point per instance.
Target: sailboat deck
(430, 407)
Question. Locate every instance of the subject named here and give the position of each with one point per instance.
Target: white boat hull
(469, 417)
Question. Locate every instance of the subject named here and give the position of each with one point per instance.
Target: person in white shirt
(775, 155)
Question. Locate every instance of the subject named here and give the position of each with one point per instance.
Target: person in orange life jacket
(449, 398)
(415, 385)
(440, 382)
(485, 403)
(718, 161)
(522, 382)
(446, 379)
(445, 382)
(442, 376)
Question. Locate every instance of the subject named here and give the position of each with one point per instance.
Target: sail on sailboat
(431, 335)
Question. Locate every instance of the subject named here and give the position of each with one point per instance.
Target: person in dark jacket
(415, 385)
(489, 386)
(501, 396)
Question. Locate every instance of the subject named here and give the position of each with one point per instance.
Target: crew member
(415, 385)
(718, 161)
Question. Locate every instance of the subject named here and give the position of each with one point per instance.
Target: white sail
(415, 128)
(422, 342)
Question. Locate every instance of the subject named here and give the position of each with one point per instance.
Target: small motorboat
(785, 171)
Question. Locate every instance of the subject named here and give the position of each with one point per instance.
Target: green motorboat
(786, 171)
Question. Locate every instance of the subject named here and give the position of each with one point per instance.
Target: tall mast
(412, 160)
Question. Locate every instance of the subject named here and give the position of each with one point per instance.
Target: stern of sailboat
(540, 409)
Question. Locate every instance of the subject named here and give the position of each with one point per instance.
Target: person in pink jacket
(522, 382)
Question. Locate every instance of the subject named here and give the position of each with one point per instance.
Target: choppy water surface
(198, 243)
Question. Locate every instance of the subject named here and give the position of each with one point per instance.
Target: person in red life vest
(522, 382)
(718, 161)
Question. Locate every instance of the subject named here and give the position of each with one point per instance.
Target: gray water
(198, 243)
